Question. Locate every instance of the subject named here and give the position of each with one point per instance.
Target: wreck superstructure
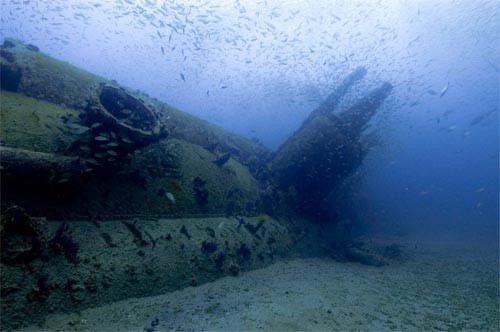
(108, 193)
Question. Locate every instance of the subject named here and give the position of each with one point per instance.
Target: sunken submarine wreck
(109, 194)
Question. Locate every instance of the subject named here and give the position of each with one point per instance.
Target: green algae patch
(213, 138)
(171, 178)
(40, 76)
(31, 124)
(229, 188)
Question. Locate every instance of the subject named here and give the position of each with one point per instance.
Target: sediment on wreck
(62, 110)
(108, 193)
(115, 260)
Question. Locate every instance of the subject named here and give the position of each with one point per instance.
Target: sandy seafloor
(440, 285)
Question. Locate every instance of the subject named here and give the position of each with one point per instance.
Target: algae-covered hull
(115, 260)
(109, 194)
(167, 168)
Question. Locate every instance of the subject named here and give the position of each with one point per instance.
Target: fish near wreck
(119, 120)
(326, 148)
(122, 138)
(163, 193)
(120, 145)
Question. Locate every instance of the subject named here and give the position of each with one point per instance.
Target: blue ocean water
(258, 68)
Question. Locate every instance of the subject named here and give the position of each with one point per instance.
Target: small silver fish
(445, 89)
(85, 148)
(92, 161)
(170, 197)
(100, 155)
(101, 138)
(77, 129)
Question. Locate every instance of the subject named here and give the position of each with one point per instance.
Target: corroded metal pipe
(38, 167)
